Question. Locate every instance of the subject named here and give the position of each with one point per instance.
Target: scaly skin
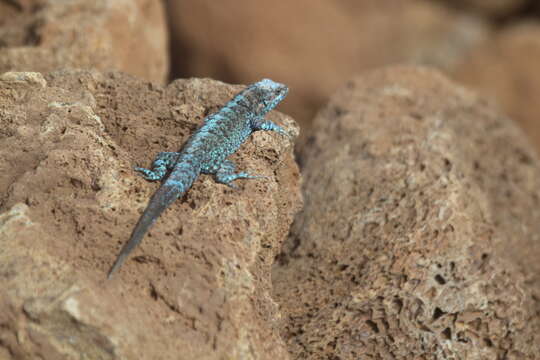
(206, 152)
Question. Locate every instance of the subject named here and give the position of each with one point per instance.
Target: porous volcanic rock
(198, 287)
(313, 46)
(506, 69)
(46, 35)
(419, 235)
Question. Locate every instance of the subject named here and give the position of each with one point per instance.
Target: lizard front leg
(226, 174)
(268, 126)
(164, 162)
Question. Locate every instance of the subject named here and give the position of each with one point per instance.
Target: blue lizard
(206, 152)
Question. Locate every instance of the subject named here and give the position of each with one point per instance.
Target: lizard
(206, 152)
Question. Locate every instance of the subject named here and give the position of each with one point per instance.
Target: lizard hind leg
(164, 162)
(226, 174)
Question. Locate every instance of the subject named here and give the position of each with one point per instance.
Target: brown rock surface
(313, 46)
(419, 235)
(198, 286)
(507, 70)
(45, 35)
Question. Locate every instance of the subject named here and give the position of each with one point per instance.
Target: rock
(45, 35)
(419, 235)
(506, 70)
(492, 8)
(313, 46)
(198, 287)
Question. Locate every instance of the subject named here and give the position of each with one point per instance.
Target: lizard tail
(163, 197)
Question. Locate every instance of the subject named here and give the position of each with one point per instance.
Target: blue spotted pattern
(206, 152)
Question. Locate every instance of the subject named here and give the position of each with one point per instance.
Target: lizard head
(270, 94)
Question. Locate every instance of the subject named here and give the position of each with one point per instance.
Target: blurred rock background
(45, 35)
(315, 46)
